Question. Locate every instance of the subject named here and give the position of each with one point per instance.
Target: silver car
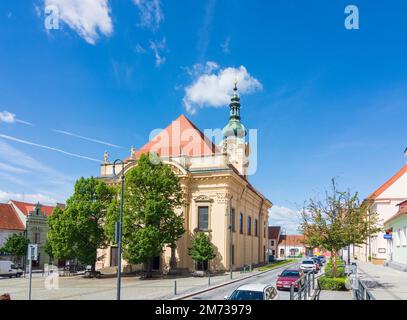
(254, 292)
(308, 265)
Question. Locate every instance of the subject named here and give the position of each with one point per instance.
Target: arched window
(241, 223)
(249, 225)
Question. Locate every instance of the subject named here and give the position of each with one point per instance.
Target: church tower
(234, 133)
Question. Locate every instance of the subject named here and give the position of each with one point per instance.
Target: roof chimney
(405, 153)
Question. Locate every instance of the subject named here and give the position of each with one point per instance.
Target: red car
(287, 277)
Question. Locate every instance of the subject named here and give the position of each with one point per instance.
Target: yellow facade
(219, 189)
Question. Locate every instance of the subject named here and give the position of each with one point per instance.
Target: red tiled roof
(181, 137)
(9, 219)
(26, 207)
(388, 183)
(274, 232)
(291, 240)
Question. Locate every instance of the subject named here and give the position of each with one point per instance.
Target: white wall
(5, 234)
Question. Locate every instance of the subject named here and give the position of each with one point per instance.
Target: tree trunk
(334, 268)
(148, 266)
(173, 259)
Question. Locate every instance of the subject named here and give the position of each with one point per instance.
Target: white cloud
(140, 49)
(226, 45)
(89, 18)
(158, 47)
(9, 117)
(20, 159)
(286, 218)
(11, 169)
(151, 14)
(32, 198)
(87, 139)
(47, 148)
(19, 170)
(212, 86)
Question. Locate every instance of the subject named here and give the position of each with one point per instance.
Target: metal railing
(360, 291)
(305, 288)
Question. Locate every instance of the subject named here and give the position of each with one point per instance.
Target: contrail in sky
(87, 139)
(47, 148)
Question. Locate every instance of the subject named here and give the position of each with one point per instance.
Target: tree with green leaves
(201, 249)
(77, 231)
(336, 222)
(152, 194)
(16, 245)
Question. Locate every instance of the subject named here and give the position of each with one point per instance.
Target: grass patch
(275, 264)
(335, 284)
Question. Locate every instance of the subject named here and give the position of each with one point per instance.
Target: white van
(8, 269)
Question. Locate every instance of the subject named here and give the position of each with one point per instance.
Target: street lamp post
(231, 238)
(285, 243)
(119, 231)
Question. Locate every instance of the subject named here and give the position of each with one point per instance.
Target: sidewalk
(335, 295)
(383, 282)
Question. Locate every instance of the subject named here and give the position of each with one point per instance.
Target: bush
(340, 272)
(340, 269)
(328, 283)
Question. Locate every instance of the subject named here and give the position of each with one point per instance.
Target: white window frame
(404, 236)
(398, 237)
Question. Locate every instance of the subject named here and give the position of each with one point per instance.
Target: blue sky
(327, 101)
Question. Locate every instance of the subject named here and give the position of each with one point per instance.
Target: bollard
(209, 279)
(292, 292)
(250, 268)
(175, 287)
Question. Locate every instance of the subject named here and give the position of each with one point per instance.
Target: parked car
(323, 259)
(288, 277)
(19, 270)
(8, 269)
(254, 292)
(318, 261)
(308, 265)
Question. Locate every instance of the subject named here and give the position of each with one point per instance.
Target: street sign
(32, 253)
(388, 236)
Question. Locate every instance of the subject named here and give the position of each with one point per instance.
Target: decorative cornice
(203, 198)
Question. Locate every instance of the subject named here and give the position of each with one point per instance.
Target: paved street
(266, 278)
(72, 288)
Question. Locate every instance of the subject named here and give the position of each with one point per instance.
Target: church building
(219, 195)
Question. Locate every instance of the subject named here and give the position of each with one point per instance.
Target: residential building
(218, 193)
(291, 246)
(396, 231)
(274, 238)
(29, 219)
(384, 202)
